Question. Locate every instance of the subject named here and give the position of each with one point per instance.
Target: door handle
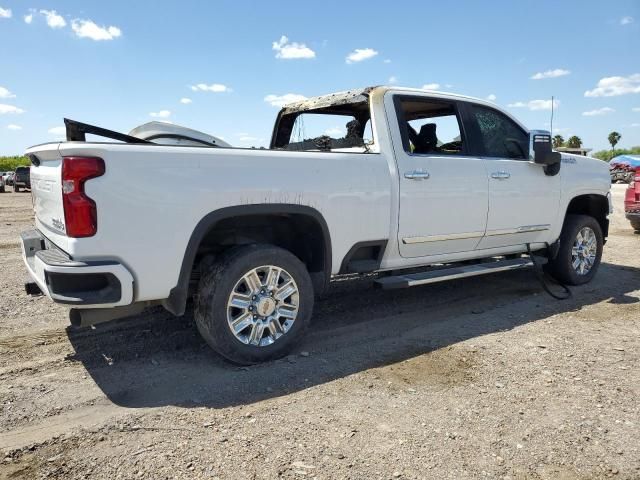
(416, 175)
(501, 175)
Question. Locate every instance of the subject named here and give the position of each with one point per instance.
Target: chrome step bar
(434, 276)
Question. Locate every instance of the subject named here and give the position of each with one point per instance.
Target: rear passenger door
(443, 188)
(523, 201)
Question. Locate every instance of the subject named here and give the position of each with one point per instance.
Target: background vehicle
(632, 201)
(9, 178)
(623, 167)
(22, 178)
(414, 178)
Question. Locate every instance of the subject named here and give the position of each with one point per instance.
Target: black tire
(2, 189)
(16, 188)
(217, 282)
(635, 224)
(561, 267)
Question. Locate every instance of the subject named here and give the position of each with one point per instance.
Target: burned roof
(356, 95)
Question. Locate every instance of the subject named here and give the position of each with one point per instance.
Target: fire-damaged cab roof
(357, 95)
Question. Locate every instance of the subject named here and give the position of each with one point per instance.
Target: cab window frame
(458, 110)
(479, 143)
(285, 122)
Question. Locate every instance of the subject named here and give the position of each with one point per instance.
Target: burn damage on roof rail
(356, 95)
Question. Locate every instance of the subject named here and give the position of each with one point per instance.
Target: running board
(434, 276)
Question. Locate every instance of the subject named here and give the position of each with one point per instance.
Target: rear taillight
(80, 213)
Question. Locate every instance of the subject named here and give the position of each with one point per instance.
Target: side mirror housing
(540, 150)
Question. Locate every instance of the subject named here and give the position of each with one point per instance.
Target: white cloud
(161, 114)
(635, 125)
(598, 111)
(393, 79)
(626, 20)
(282, 100)
(431, 86)
(335, 132)
(558, 72)
(88, 29)
(185, 100)
(5, 12)
(386, 60)
(360, 54)
(248, 138)
(636, 109)
(291, 50)
(28, 18)
(535, 104)
(58, 131)
(491, 97)
(214, 87)
(614, 86)
(4, 108)
(4, 93)
(53, 19)
(13, 126)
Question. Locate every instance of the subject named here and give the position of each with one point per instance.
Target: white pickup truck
(374, 180)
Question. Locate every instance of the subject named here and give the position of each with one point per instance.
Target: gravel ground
(476, 378)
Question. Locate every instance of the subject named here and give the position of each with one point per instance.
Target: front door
(523, 200)
(443, 189)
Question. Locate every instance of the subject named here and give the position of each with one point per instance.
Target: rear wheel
(635, 224)
(580, 251)
(254, 303)
(16, 188)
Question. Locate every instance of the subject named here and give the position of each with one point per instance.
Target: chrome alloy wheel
(583, 252)
(263, 305)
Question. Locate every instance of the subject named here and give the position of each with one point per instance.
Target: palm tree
(574, 142)
(614, 138)
(558, 141)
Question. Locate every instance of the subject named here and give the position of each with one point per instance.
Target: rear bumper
(97, 284)
(632, 215)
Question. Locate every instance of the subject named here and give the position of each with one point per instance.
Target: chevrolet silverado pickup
(410, 185)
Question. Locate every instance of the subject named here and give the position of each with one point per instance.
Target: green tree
(558, 141)
(614, 138)
(607, 155)
(574, 142)
(10, 163)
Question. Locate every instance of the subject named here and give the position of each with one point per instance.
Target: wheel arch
(176, 302)
(594, 205)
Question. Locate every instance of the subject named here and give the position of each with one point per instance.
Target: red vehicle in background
(632, 201)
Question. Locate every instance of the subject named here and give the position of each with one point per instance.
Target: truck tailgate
(46, 189)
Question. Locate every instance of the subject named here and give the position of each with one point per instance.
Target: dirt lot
(478, 378)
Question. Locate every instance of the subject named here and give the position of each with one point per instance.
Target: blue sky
(116, 63)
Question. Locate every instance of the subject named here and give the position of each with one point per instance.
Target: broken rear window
(344, 128)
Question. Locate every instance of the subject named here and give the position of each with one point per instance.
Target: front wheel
(254, 303)
(580, 251)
